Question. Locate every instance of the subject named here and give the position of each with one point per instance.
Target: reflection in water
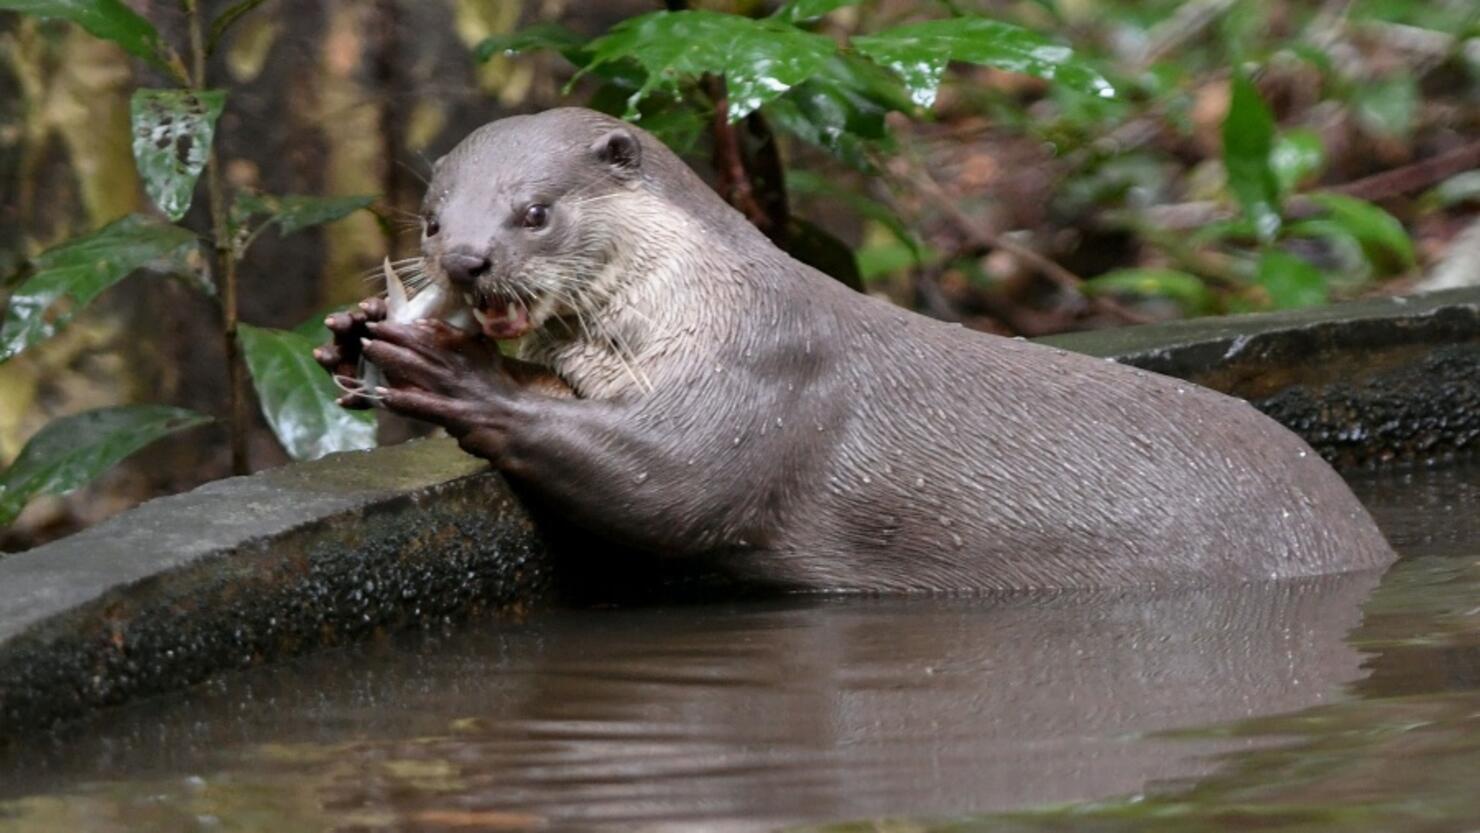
(739, 717)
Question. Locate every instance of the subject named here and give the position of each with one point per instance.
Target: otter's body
(733, 404)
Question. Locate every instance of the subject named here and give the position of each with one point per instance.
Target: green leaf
(1248, 140)
(800, 11)
(551, 36)
(1382, 237)
(880, 260)
(1387, 107)
(296, 213)
(173, 131)
(71, 451)
(1297, 156)
(225, 19)
(919, 52)
(297, 396)
(68, 277)
(1290, 281)
(1348, 261)
(759, 59)
(107, 19)
(1187, 290)
(842, 110)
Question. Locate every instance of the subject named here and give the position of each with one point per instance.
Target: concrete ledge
(254, 568)
(1365, 383)
(251, 569)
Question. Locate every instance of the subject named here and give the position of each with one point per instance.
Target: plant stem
(225, 261)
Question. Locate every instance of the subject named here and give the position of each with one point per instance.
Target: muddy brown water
(1345, 703)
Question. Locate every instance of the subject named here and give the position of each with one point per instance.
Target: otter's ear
(620, 149)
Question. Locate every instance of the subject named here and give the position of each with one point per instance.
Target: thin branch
(225, 261)
(922, 181)
(1414, 177)
(729, 159)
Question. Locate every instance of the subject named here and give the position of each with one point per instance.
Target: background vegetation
(1024, 167)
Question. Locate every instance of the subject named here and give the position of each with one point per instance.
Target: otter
(687, 389)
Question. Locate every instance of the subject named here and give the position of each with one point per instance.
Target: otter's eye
(431, 226)
(536, 216)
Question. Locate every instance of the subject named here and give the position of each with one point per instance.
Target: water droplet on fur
(1302, 454)
(642, 477)
(779, 423)
(867, 479)
(956, 539)
(919, 483)
(737, 439)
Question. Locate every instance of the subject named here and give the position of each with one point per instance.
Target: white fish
(434, 300)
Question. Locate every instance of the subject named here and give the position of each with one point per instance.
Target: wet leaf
(1248, 142)
(551, 36)
(919, 52)
(173, 131)
(1296, 157)
(71, 451)
(798, 11)
(68, 277)
(1384, 240)
(759, 59)
(1187, 290)
(297, 396)
(1290, 281)
(236, 11)
(107, 19)
(842, 109)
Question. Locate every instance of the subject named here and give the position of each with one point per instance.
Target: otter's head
(519, 217)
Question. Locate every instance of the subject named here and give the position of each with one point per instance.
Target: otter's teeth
(468, 298)
(481, 316)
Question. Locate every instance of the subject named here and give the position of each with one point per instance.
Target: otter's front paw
(341, 356)
(445, 376)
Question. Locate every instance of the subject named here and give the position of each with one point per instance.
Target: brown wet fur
(729, 405)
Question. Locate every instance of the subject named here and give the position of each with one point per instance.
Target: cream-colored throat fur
(639, 310)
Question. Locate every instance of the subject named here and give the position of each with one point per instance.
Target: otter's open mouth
(500, 318)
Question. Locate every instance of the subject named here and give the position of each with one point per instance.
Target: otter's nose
(464, 269)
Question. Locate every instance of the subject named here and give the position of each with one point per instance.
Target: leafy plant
(173, 135)
(679, 70)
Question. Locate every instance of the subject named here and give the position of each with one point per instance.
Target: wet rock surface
(253, 568)
(249, 570)
(1366, 383)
